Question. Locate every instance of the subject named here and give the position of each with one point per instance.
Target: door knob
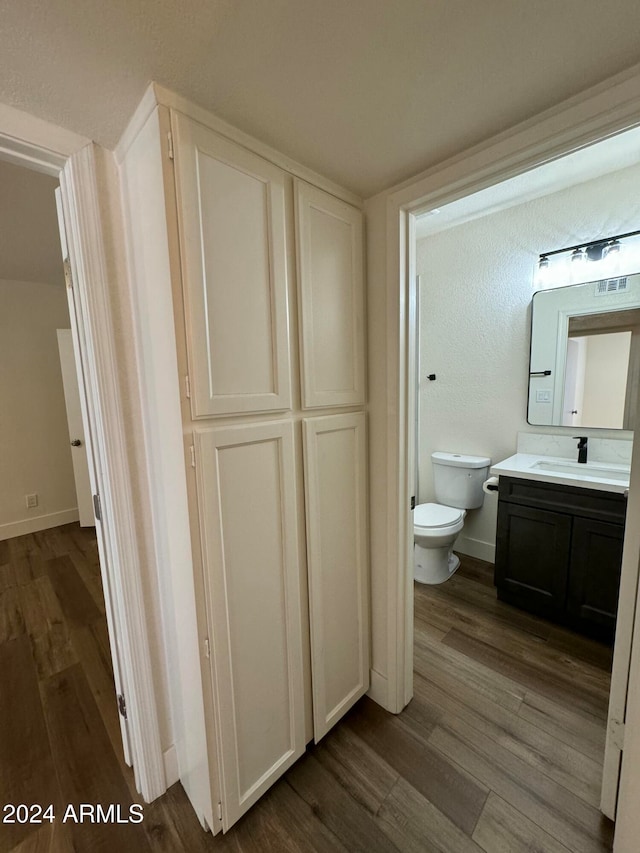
(76, 443)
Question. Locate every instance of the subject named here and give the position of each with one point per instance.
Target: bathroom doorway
(534, 689)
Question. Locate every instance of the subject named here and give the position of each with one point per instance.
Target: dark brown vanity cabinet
(559, 553)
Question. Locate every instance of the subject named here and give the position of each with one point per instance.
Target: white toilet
(458, 483)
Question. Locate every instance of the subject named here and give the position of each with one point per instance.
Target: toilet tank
(458, 479)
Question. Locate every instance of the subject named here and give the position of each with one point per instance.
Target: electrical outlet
(32, 501)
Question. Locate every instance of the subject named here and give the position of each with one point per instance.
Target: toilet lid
(435, 515)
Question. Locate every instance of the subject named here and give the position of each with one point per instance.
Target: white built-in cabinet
(331, 284)
(231, 207)
(266, 274)
(248, 521)
(335, 463)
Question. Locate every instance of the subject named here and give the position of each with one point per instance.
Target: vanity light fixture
(588, 261)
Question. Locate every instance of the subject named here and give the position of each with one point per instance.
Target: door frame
(601, 112)
(35, 144)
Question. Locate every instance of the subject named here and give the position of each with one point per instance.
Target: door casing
(601, 112)
(35, 144)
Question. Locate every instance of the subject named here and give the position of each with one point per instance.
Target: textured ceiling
(29, 239)
(367, 92)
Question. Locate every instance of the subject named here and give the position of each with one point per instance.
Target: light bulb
(611, 259)
(578, 265)
(543, 273)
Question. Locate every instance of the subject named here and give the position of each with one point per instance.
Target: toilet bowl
(435, 529)
(457, 480)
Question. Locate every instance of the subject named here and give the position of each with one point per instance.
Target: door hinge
(413, 502)
(68, 277)
(192, 451)
(170, 144)
(187, 386)
(97, 507)
(122, 706)
(207, 648)
(219, 811)
(616, 730)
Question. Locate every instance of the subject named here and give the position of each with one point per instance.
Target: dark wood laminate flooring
(500, 749)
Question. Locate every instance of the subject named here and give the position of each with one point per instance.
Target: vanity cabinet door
(594, 575)
(532, 557)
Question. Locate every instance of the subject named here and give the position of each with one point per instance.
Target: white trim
(378, 688)
(157, 95)
(137, 121)
(605, 110)
(29, 141)
(171, 769)
(78, 183)
(39, 522)
(476, 548)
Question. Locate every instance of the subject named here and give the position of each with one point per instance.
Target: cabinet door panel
(247, 504)
(330, 277)
(532, 556)
(594, 573)
(231, 213)
(336, 494)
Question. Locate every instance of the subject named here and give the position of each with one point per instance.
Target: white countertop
(607, 477)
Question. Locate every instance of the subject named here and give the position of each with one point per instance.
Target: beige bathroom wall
(476, 289)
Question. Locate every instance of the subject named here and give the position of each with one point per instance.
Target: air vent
(611, 285)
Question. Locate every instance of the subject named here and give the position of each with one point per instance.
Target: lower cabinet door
(338, 563)
(532, 557)
(248, 525)
(594, 575)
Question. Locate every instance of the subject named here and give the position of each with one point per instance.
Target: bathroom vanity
(559, 546)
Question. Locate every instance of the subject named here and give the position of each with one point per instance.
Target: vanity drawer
(586, 503)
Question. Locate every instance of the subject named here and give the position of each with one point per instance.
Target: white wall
(34, 440)
(476, 291)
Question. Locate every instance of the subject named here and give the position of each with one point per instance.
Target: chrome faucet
(582, 448)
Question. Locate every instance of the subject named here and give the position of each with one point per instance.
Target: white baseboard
(476, 548)
(171, 771)
(40, 522)
(379, 689)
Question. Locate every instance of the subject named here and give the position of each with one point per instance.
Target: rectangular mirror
(584, 368)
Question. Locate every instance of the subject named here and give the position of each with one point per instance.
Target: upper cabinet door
(231, 216)
(331, 286)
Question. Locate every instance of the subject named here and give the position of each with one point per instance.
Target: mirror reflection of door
(585, 355)
(601, 373)
(573, 383)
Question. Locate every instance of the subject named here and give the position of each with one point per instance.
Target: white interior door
(336, 499)
(75, 316)
(77, 439)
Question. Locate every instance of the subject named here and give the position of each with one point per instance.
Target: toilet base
(434, 565)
